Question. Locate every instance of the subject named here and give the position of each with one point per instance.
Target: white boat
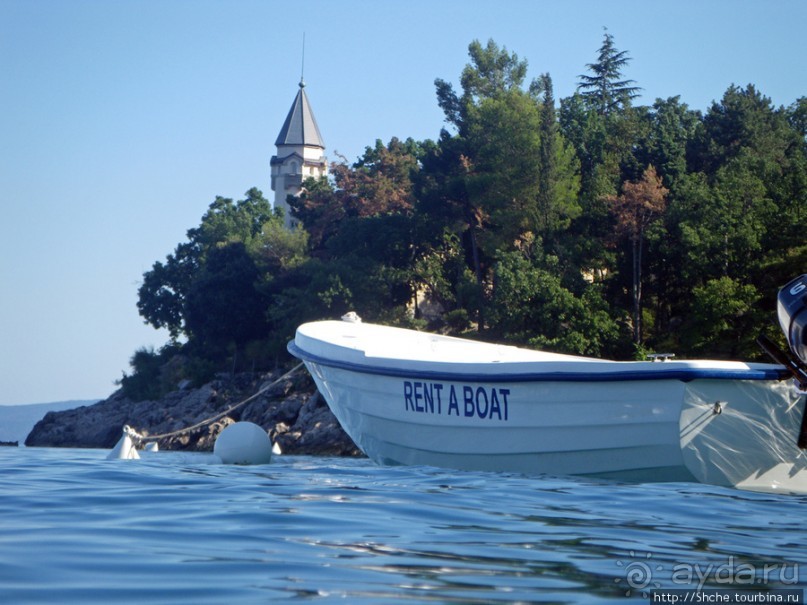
(408, 397)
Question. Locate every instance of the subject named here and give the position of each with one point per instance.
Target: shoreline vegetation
(588, 226)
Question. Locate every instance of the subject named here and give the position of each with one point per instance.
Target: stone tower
(300, 153)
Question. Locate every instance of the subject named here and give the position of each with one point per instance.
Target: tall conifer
(605, 88)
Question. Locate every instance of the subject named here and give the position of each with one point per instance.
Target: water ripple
(174, 529)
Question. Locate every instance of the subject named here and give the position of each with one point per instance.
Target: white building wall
(289, 170)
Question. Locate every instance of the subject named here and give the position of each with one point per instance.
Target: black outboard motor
(791, 306)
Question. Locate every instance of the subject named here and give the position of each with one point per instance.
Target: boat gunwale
(685, 374)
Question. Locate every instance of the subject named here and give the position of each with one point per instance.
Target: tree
(229, 221)
(383, 177)
(212, 289)
(743, 212)
(524, 222)
(672, 127)
(483, 181)
(503, 168)
(491, 89)
(378, 184)
(604, 89)
(725, 319)
(161, 296)
(361, 234)
(150, 377)
(223, 307)
(491, 72)
(797, 116)
(531, 305)
(585, 129)
(745, 134)
(277, 248)
(321, 206)
(604, 130)
(638, 206)
(558, 178)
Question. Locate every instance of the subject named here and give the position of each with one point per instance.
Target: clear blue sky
(122, 120)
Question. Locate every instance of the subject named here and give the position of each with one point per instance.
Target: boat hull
(522, 427)
(634, 423)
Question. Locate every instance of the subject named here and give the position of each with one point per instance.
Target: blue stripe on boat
(683, 374)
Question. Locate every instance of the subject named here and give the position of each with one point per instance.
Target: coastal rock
(291, 411)
(316, 428)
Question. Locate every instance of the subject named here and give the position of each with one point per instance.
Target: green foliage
(154, 373)
(530, 305)
(226, 221)
(671, 127)
(276, 248)
(492, 72)
(503, 167)
(212, 290)
(558, 174)
(594, 227)
(725, 319)
(223, 307)
(162, 294)
(144, 382)
(603, 88)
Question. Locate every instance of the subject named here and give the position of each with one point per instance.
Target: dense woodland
(587, 225)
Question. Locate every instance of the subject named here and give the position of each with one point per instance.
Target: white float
(125, 448)
(243, 443)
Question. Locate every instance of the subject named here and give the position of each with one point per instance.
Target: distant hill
(16, 421)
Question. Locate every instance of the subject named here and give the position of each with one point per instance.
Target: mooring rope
(135, 435)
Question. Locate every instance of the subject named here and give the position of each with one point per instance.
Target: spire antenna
(302, 66)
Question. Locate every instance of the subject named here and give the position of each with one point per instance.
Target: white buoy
(152, 447)
(125, 448)
(243, 443)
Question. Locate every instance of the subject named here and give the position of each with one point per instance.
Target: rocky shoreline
(292, 411)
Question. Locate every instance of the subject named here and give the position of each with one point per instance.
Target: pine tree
(558, 178)
(548, 151)
(605, 89)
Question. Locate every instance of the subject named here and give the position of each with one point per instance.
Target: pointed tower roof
(300, 127)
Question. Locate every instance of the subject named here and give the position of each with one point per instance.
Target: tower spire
(302, 66)
(300, 150)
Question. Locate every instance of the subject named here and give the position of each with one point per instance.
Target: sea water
(174, 528)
